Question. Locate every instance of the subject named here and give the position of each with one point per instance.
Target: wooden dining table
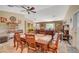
(41, 40)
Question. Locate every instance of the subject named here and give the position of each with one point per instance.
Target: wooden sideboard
(3, 39)
(48, 32)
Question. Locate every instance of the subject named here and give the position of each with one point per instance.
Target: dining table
(41, 40)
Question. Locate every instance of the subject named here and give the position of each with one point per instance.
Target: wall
(58, 24)
(24, 21)
(18, 17)
(26, 24)
(3, 29)
(72, 10)
(77, 41)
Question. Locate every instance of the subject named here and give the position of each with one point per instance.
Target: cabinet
(66, 32)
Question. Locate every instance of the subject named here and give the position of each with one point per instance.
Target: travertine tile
(7, 47)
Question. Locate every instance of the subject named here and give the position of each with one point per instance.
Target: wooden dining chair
(30, 38)
(42, 47)
(18, 42)
(15, 40)
(54, 47)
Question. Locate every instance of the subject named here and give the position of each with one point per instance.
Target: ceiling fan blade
(10, 5)
(24, 7)
(32, 8)
(33, 11)
(28, 9)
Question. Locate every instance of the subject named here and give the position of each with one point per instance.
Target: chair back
(30, 39)
(17, 36)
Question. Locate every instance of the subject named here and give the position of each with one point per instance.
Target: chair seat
(33, 48)
(53, 46)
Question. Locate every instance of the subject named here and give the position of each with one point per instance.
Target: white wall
(69, 15)
(18, 17)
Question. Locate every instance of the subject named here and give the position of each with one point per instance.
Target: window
(37, 26)
(50, 26)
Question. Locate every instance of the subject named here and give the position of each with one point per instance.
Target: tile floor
(7, 47)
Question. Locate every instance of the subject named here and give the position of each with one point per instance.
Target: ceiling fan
(27, 8)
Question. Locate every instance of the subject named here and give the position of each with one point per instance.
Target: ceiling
(43, 12)
(18, 9)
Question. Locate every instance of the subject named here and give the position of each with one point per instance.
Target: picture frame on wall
(3, 19)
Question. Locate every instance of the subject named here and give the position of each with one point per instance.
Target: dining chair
(15, 40)
(44, 48)
(30, 38)
(18, 41)
(53, 47)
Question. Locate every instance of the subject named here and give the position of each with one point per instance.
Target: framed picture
(3, 19)
(12, 18)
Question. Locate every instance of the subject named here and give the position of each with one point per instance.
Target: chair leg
(22, 48)
(56, 51)
(28, 49)
(14, 43)
(17, 46)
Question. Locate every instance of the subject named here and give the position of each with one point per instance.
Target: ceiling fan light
(28, 12)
